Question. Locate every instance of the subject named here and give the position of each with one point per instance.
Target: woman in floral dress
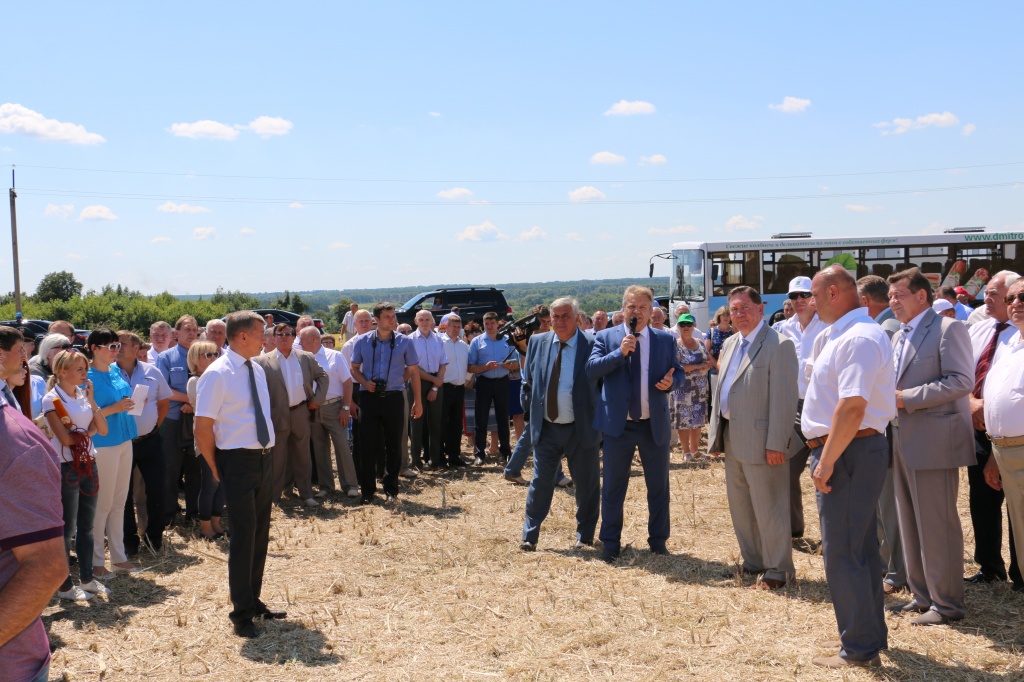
(688, 404)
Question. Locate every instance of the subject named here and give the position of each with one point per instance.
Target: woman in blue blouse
(113, 452)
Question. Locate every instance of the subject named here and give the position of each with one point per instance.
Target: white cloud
(678, 229)
(857, 208)
(59, 210)
(75, 256)
(624, 108)
(898, 126)
(969, 128)
(484, 232)
(933, 228)
(160, 240)
(96, 212)
(824, 188)
(652, 160)
(585, 193)
(339, 245)
(247, 231)
(738, 222)
(606, 158)
(791, 105)
(171, 207)
(296, 204)
(201, 233)
(533, 234)
(118, 254)
(205, 129)
(573, 237)
(455, 193)
(434, 114)
(269, 126)
(19, 120)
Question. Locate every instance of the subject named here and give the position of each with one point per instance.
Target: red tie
(985, 361)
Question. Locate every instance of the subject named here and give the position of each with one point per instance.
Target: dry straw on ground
(437, 589)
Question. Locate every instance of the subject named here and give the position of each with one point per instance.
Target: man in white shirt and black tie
(235, 435)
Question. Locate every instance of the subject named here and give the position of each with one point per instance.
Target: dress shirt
(38, 385)
(962, 311)
(173, 364)
(336, 366)
(349, 323)
(457, 353)
(377, 359)
(803, 339)
(853, 357)
(292, 372)
(643, 346)
(152, 354)
(729, 378)
(225, 396)
(1004, 390)
(147, 375)
(485, 349)
(430, 350)
(565, 379)
(8, 395)
(908, 330)
(981, 335)
(348, 346)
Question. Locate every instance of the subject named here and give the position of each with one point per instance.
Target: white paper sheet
(139, 398)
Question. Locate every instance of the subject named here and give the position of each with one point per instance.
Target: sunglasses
(211, 356)
(793, 295)
(686, 324)
(65, 346)
(110, 346)
(283, 334)
(1018, 297)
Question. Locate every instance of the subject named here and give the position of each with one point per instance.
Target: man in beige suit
(752, 415)
(291, 374)
(931, 439)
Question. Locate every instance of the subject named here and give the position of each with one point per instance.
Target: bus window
(735, 268)
(780, 267)
(884, 262)
(851, 259)
(688, 275)
(1013, 258)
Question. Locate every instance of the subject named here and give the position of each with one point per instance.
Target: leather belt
(334, 400)
(1012, 442)
(295, 407)
(147, 436)
(813, 443)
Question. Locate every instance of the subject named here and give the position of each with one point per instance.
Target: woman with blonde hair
(73, 417)
(211, 496)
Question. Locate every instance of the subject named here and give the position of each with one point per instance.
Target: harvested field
(437, 589)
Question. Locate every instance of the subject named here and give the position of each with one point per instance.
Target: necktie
(9, 397)
(262, 433)
(556, 373)
(985, 361)
(904, 340)
(635, 378)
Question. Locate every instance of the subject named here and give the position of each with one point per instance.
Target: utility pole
(14, 248)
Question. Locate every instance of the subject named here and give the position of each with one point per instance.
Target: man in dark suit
(636, 368)
(560, 402)
(298, 385)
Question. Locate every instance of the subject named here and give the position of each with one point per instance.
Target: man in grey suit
(931, 439)
(560, 402)
(291, 374)
(752, 415)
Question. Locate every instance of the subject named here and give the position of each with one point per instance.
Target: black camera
(380, 387)
(518, 332)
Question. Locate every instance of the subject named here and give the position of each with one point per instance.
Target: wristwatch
(345, 407)
(433, 389)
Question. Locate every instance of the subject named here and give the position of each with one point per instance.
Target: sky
(267, 146)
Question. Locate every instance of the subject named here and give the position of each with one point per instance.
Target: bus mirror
(651, 272)
(714, 272)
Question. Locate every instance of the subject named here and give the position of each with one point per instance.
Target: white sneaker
(311, 502)
(76, 593)
(353, 491)
(96, 587)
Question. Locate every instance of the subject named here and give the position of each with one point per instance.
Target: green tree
(339, 309)
(298, 306)
(58, 286)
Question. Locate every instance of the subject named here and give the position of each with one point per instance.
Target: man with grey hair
(561, 408)
(363, 322)
(617, 318)
(658, 318)
(600, 321)
(430, 349)
(217, 333)
(985, 491)
(159, 339)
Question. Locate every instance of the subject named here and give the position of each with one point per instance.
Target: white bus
(703, 273)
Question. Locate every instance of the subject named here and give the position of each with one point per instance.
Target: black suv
(287, 317)
(35, 328)
(472, 303)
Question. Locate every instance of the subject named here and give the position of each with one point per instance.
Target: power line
(602, 202)
(520, 181)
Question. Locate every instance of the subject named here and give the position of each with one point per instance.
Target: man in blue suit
(636, 367)
(560, 402)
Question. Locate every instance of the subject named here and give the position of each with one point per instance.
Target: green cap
(685, 317)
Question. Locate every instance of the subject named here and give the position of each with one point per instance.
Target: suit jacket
(762, 400)
(540, 357)
(609, 369)
(311, 372)
(936, 377)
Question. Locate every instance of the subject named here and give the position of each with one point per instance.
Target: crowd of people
(881, 389)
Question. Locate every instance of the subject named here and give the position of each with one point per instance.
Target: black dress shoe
(609, 557)
(981, 577)
(457, 462)
(246, 629)
(268, 613)
(662, 551)
(366, 500)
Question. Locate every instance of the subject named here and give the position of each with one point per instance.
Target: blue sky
(263, 146)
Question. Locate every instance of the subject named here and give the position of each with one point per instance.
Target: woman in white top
(78, 488)
(211, 495)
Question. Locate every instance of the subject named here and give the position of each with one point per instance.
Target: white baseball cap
(941, 305)
(800, 284)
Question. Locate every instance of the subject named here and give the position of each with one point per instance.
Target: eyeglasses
(110, 346)
(1018, 297)
(684, 325)
(211, 356)
(793, 295)
(283, 334)
(65, 346)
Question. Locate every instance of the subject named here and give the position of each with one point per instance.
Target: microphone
(632, 325)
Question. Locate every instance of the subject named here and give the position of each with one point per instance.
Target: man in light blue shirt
(490, 359)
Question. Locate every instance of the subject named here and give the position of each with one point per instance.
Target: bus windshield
(688, 275)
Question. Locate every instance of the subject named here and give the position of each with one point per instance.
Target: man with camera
(490, 358)
(382, 361)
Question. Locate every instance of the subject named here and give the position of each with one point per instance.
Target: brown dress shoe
(889, 588)
(768, 584)
(837, 662)
(732, 575)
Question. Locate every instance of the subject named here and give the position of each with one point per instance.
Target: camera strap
(391, 355)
